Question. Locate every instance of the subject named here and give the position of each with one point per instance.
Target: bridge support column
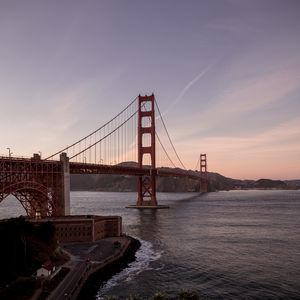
(65, 182)
(146, 183)
(203, 174)
(147, 191)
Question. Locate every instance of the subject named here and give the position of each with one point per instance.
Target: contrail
(186, 88)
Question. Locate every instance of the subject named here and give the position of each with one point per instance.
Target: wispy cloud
(242, 98)
(253, 154)
(187, 87)
(257, 92)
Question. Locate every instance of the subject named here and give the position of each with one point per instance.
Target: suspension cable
(107, 135)
(93, 131)
(198, 162)
(164, 149)
(169, 136)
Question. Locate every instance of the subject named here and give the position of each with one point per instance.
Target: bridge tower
(146, 184)
(203, 174)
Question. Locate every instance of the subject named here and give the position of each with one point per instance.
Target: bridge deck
(85, 168)
(20, 165)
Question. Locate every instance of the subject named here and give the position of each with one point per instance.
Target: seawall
(98, 264)
(112, 267)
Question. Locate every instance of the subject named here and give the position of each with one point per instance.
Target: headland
(57, 257)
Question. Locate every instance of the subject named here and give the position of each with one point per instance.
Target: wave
(144, 257)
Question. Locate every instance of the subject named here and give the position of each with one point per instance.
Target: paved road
(66, 287)
(83, 255)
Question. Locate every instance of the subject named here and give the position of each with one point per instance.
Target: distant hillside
(126, 183)
(219, 182)
(293, 183)
(270, 184)
(121, 183)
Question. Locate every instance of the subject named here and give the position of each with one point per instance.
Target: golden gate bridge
(126, 145)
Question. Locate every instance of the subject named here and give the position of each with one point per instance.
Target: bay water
(222, 245)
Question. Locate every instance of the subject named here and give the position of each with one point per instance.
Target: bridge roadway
(17, 165)
(43, 186)
(87, 168)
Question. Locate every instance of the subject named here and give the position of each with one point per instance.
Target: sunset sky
(226, 75)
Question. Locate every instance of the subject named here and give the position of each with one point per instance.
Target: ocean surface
(223, 245)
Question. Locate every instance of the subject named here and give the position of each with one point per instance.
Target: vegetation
(21, 289)
(187, 295)
(181, 295)
(24, 247)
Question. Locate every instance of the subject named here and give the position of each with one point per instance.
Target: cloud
(249, 98)
(187, 87)
(273, 151)
(257, 92)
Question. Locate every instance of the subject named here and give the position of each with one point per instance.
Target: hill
(125, 183)
(295, 184)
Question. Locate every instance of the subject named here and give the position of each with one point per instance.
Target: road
(83, 257)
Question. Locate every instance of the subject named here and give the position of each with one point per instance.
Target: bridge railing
(15, 157)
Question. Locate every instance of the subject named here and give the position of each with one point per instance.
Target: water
(224, 245)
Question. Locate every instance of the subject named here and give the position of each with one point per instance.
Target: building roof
(48, 265)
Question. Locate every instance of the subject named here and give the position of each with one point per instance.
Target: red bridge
(124, 145)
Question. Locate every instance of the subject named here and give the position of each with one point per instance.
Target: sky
(225, 73)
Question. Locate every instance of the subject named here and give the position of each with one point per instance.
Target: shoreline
(93, 263)
(92, 284)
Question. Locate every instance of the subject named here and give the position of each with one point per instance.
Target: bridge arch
(36, 198)
(11, 207)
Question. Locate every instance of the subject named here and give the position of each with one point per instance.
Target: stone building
(84, 228)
